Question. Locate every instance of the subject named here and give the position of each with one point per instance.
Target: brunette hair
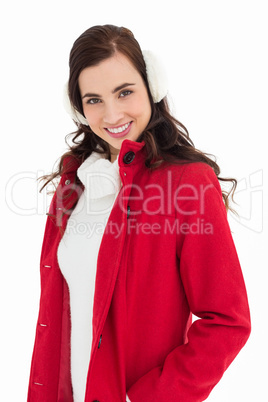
(166, 139)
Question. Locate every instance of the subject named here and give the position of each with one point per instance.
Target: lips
(116, 130)
(120, 131)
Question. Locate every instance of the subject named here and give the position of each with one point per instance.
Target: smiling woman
(115, 113)
(116, 304)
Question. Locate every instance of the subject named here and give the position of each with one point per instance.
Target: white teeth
(119, 129)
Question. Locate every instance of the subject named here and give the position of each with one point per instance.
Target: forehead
(108, 74)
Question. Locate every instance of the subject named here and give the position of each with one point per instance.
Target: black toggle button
(128, 211)
(100, 342)
(129, 156)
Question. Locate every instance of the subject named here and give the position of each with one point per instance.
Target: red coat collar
(71, 163)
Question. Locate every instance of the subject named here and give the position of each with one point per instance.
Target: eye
(93, 101)
(125, 93)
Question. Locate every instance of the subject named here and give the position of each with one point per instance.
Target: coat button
(100, 342)
(95, 400)
(67, 182)
(128, 211)
(128, 158)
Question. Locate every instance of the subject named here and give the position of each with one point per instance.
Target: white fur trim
(128, 400)
(156, 75)
(75, 115)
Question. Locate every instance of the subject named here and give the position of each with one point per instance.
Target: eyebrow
(89, 95)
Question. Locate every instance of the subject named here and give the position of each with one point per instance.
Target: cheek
(141, 108)
(93, 117)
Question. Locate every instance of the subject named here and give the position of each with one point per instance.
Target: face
(115, 101)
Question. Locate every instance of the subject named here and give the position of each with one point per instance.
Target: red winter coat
(167, 251)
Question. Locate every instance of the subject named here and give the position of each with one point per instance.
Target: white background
(215, 53)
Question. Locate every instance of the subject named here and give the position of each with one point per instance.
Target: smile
(121, 131)
(118, 129)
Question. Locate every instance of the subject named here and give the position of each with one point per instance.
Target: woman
(136, 240)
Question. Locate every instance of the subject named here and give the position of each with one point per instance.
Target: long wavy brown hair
(166, 139)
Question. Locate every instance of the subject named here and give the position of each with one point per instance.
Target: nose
(113, 114)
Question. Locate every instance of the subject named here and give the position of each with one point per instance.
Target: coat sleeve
(215, 291)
